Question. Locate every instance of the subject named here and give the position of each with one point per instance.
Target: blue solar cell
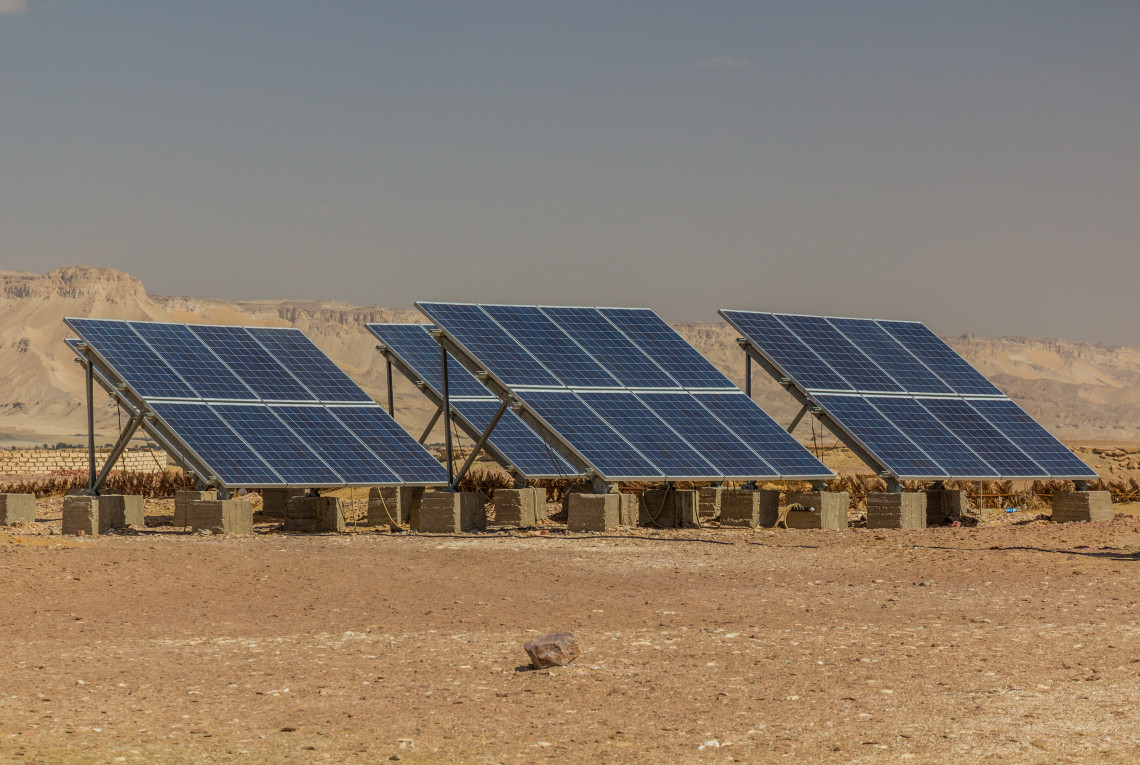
(837, 352)
(309, 364)
(953, 370)
(934, 438)
(344, 452)
(610, 347)
(769, 335)
(420, 351)
(764, 435)
(1032, 438)
(898, 362)
(279, 446)
(553, 348)
(965, 422)
(659, 443)
(268, 378)
(886, 442)
(139, 365)
(474, 330)
(730, 456)
(216, 444)
(520, 445)
(610, 454)
(383, 435)
(193, 361)
(669, 350)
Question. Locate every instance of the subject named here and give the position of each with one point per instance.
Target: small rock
(554, 649)
(204, 532)
(926, 583)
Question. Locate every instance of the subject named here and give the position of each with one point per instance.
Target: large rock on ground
(554, 649)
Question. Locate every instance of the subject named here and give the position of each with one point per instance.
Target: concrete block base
(314, 514)
(447, 512)
(944, 506)
(275, 502)
(668, 508)
(1071, 506)
(519, 507)
(394, 504)
(221, 516)
(628, 510)
(118, 511)
(896, 510)
(708, 501)
(182, 500)
(81, 515)
(579, 487)
(822, 509)
(748, 509)
(594, 512)
(17, 508)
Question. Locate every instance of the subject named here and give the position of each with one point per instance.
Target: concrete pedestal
(17, 508)
(519, 507)
(896, 510)
(822, 509)
(1071, 506)
(314, 514)
(668, 508)
(275, 502)
(944, 506)
(708, 501)
(579, 487)
(748, 509)
(394, 504)
(452, 512)
(221, 516)
(118, 511)
(81, 515)
(182, 500)
(594, 512)
(628, 510)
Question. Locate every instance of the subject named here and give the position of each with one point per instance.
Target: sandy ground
(1016, 642)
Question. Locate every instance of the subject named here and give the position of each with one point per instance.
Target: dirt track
(1018, 643)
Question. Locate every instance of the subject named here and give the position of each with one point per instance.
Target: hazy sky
(975, 165)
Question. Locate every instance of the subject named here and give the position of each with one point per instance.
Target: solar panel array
(906, 397)
(475, 407)
(624, 392)
(259, 406)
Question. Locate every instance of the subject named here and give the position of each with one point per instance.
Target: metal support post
(430, 425)
(116, 452)
(446, 416)
(391, 400)
(90, 427)
(893, 486)
(798, 417)
(748, 375)
(454, 486)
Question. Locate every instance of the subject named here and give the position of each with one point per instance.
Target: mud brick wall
(21, 461)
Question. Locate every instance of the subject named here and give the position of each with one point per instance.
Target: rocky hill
(1078, 390)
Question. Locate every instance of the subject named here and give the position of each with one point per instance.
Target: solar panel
(518, 445)
(927, 412)
(610, 362)
(210, 389)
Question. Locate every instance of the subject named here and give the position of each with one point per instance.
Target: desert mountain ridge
(1080, 391)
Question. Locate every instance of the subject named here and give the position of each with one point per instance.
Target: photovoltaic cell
(727, 453)
(774, 444)
(594, 439)
(610, 347)
(880, 436)
(934, 438)
(910, 373)
(484, 339)
(140, 366)
(308, 364)
(420, 351)
(965, 422)
(951, 368)
(788, 351)
(850, 363)
(1038, 443)
(279, 446)
(249, 360)
(401, 453)
(552, 347)
(216, 444)
(524, 448)
(664, 346)
(192, 361)
(354, 462)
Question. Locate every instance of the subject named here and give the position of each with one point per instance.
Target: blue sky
(975, 165)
